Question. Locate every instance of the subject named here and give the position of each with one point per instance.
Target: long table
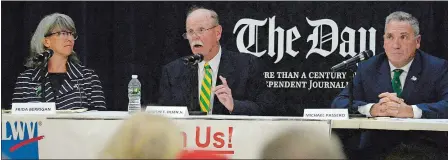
(404, 124)
(82, 135)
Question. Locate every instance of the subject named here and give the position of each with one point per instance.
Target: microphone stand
(44, 57)
(43, 66)
(192, 69)
(192, 108)
(350, 77)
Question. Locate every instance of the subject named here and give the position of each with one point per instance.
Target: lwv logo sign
(249, 28)
(20, 139)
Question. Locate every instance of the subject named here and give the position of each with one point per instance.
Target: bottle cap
(134, 76)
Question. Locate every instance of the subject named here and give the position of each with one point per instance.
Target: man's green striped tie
(206, 86)
(396, 83)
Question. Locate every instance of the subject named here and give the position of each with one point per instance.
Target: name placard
(332, 114)
(33, 108)
(168, 111)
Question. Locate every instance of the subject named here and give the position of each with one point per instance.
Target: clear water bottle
(134, 95)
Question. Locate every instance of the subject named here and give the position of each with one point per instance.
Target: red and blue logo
(20, 139)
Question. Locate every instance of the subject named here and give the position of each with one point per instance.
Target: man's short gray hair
(46, 26)
(213, 14)
(404, 17)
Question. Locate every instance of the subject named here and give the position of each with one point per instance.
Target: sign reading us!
(211, 139)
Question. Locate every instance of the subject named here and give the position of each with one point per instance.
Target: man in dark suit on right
(405, 82)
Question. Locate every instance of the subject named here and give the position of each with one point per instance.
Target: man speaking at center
(225, 82)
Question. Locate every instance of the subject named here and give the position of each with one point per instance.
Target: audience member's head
(144, 136)
(303, 144)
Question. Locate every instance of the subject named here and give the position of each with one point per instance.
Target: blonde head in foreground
(144, 136)
(303, 144)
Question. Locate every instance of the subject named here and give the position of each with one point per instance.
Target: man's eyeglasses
(63, 34)
(201, 31)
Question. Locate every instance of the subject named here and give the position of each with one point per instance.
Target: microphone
(193, 59)
(44, 56)
(352, 61)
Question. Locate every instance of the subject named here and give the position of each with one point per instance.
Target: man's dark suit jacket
(426, 84)
(179, 85)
